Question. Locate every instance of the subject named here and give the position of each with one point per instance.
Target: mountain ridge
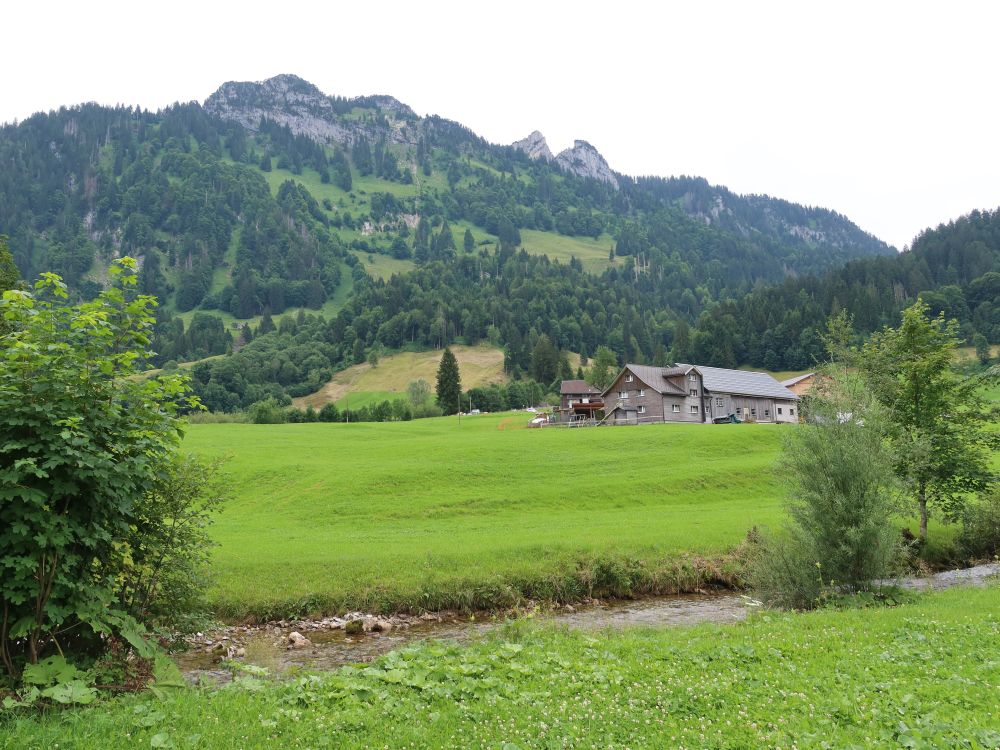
(308, 111)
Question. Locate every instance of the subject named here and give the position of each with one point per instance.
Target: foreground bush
(979, 538)
(840, 536)
(82, 441)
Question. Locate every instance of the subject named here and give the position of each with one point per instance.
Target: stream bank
(286, 646)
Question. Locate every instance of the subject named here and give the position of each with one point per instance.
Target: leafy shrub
(165, 559)
(840, 537)
(268, 411)
(81, 442)
(979, 538)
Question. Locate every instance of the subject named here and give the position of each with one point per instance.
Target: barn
(642, 394)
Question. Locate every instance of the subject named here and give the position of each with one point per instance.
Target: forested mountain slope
(273, 197)
(955, 268)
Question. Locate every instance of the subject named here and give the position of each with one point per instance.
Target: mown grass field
(364, 384)
(439, 513)
(593, 254)
(921, 675)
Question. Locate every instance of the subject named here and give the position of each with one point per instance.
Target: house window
(779, 411)
(791, 412)
(753, 411)
(718, 402)
(642, 391)
(693, 391)
(675, 408)
(641, 410)
(693, 378)
(622, 394)
(694, 409)
(767, 412)
(629, 378)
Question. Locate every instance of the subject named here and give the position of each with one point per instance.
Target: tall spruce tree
(449, 383)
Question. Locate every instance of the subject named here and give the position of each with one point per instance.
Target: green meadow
(477, 512)
(920, 675)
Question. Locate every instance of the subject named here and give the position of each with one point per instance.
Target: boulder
(297, 640)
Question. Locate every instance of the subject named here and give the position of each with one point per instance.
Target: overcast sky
(885, 112)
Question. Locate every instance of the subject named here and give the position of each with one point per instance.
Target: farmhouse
(579, 401)
(694, 393)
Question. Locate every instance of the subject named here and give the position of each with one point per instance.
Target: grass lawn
(381, 266)
(593, 254)
(921, 675)
(439, 513)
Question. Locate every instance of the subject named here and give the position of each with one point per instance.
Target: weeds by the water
(922, 675)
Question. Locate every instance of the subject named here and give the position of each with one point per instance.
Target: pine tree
(468, 242)
(449, 384)
(266, 323)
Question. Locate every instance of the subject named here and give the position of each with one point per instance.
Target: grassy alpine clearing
(439, 513)
(921, 675)
(480, 366)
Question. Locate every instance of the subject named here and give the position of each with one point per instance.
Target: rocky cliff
(534, 146)
(291, 101)
(586, 161)
(582, 160)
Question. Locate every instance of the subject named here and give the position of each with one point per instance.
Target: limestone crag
(289, 100)
(582, 160)
(534, 146)
(586, 161)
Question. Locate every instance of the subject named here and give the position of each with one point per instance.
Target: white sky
(886, 112)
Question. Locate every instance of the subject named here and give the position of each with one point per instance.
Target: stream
(330, 646)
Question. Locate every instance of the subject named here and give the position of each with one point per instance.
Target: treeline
(505, 298)
(954, 268)
(492, 398)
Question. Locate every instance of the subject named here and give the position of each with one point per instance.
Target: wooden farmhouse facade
(579, 401)
(688, 393)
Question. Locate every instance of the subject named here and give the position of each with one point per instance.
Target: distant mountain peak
(534, 146)
(582, 159)
(293, 101)
(586, 161)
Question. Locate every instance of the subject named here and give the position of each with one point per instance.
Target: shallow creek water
(332, 648)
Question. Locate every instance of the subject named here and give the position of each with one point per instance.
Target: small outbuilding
(800, 385)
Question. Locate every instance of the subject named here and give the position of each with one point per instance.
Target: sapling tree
(842, 492)
(938, 418)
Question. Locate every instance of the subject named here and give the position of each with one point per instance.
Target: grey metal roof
(572, 387)
(742, 382)
(652, 377)
(796, 379)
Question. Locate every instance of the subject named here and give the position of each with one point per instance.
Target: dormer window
(693, 378)
(629, 378)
